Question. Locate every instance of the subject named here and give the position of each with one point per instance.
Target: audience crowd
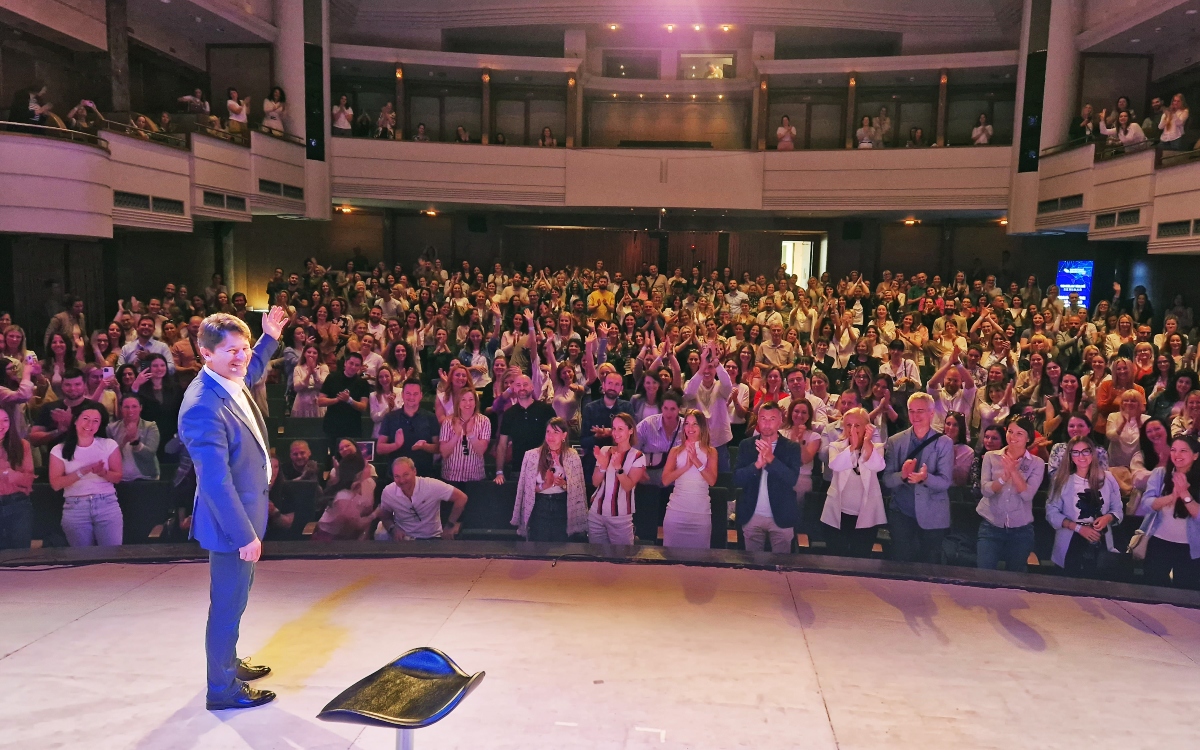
(1119, 127)
(894, 403)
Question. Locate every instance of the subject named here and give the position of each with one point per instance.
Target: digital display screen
(1075, 276)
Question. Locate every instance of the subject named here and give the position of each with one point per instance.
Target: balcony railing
(62, 134)
(122, 122)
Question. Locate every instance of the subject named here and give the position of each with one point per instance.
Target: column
(758, 119)
(317, 188)
(288, 62)
(485, 113)
(117, 18)
(571, 138)
(401, 113)
(943, 79)
(851, 120)
(1062, 70)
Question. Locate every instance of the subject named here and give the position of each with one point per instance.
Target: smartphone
(108, 372)
(367, 449)
(30, 358)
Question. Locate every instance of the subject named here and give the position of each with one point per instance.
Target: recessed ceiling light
(641, 96)
(693, 96)
(668, 96)
(1134, 41)
(696, 27)
(725, 27)
(612, 27)
(670, 27)
(720, 96)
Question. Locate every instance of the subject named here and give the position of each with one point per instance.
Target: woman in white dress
(692, 468)
(785, 135)
(307, 379)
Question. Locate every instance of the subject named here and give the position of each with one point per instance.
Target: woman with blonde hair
(692, 468)
(1111, 391)
(854, 506)
(551, 503)
(465, 436)
(449, 388)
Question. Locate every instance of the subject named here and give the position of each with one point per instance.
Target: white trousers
(610, 529)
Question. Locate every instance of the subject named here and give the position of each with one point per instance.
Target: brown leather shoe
(246, 697)
(247, 672)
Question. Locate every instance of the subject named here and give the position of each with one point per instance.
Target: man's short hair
(299, 443)
(405, 461)
(770, 406)
(411, 381)
(921, 397)
(217, 326)
(352, 355)
(673, 395)
(71, 373)
(896, 345)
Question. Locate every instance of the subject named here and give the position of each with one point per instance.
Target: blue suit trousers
(229, 590)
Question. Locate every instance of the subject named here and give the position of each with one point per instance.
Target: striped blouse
(610, 498)
(464, 465)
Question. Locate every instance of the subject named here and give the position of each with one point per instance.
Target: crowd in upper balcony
(1118, 127)
(33, 106)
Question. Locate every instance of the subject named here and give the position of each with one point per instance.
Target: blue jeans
(93, 520)
(1010, 545)
(16, 521)
(230, 578)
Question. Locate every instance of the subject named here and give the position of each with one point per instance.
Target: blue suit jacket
(231, 467)
(781, 475)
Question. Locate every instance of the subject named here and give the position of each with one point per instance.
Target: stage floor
(598, 655)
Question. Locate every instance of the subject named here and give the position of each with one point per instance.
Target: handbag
(1141, 539)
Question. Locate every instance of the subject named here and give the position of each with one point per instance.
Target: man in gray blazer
(226, 438)
(920, 462)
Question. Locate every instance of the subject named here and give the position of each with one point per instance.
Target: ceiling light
(429, 212)
(696, 27)
(911, 222)
(670, 27)
(720, 96)
(1134, 41)
(199, 19)
(725, 27)
(612, 27)
(668, 96)
(693, 96)
(641, 96)
(614, 96)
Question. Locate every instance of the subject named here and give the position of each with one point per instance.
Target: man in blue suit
(767, 469)
(226, 438)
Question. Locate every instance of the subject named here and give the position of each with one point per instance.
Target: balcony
(54, 181)
(373, 172)
(1122, 193)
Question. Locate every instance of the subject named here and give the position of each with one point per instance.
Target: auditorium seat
(144, 505)
(302, 427)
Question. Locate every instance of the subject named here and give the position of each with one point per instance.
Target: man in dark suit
(226, 438)
(767, 469)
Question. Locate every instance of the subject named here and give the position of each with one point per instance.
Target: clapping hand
(601, 457)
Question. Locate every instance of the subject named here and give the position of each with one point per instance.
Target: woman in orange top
(1108, 393)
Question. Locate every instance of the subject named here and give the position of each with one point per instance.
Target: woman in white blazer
(1083, 506)
(854, 504)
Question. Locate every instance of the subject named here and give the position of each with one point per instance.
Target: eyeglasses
(1082, 452)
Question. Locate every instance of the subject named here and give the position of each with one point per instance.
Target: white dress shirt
(241, 396)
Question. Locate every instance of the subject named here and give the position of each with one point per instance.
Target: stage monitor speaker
(852, 230)
(477, 224)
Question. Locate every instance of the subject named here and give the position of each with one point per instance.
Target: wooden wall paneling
(688, 249)
(85, 270)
